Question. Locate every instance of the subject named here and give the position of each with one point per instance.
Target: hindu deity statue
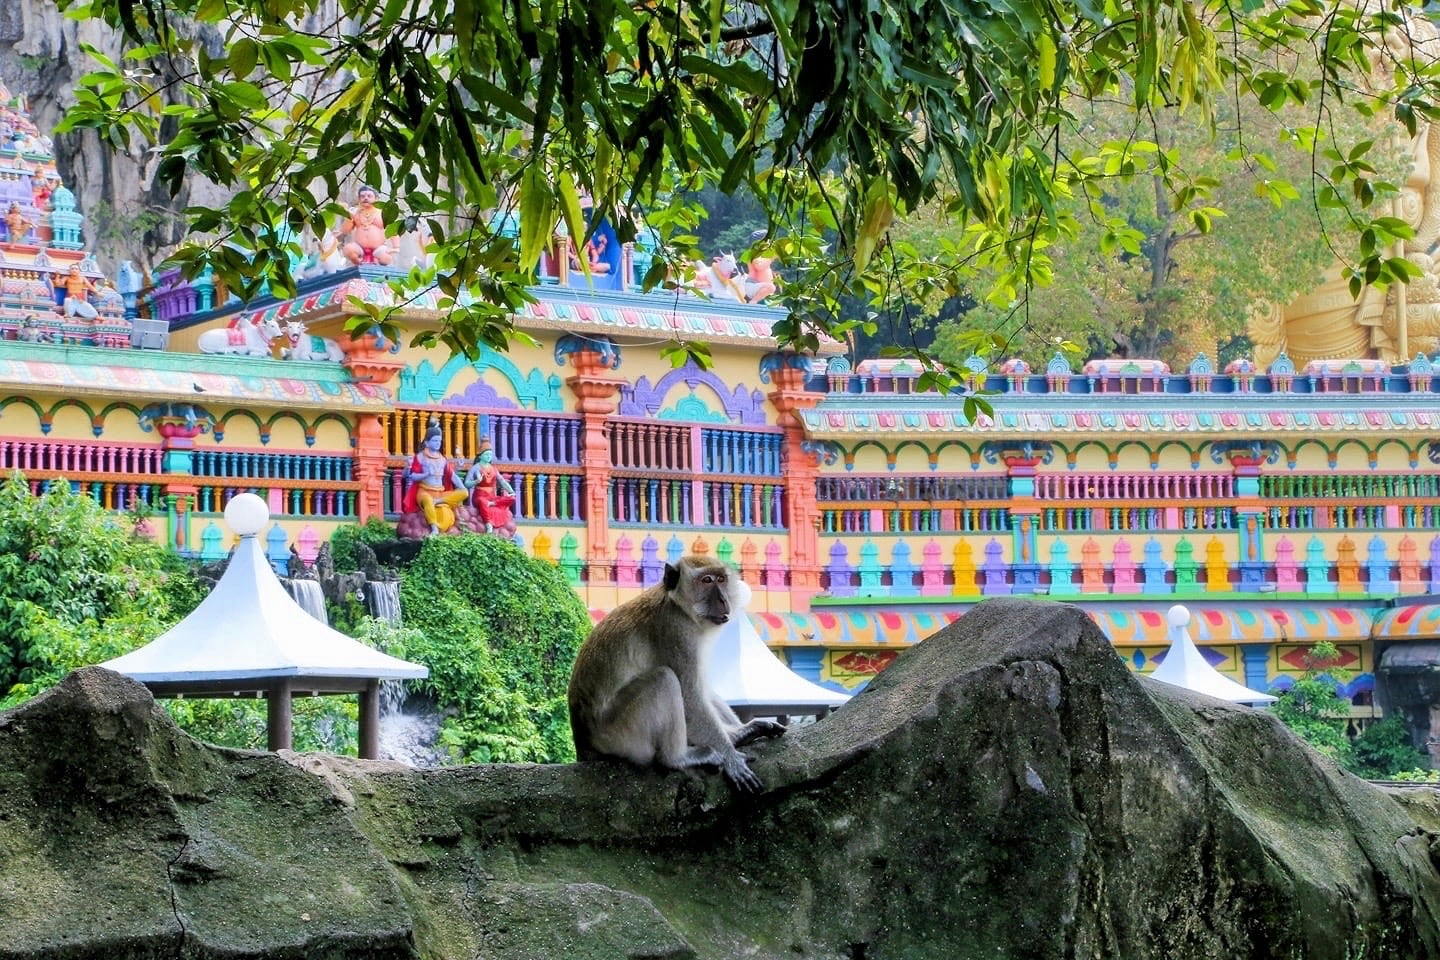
(436, 488)
(366, 228)
(491, 495)
(1328, 323)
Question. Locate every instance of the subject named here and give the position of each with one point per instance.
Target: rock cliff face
(127, 218)
(1005, 789)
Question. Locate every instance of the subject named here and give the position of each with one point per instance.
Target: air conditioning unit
(150, 334)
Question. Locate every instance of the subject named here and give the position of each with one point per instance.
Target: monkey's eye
(708, 578)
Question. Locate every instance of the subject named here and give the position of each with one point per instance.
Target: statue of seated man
(491, 495)
(366, 228)
(434, 483)
(77, 289)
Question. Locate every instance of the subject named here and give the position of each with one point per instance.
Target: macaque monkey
(639, 691)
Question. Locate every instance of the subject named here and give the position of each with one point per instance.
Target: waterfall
(383, 599)
(409, 728)
(309, 596)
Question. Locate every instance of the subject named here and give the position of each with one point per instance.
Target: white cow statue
(305, 347)
(244, 337)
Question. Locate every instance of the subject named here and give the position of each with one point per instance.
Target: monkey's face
(714, 591)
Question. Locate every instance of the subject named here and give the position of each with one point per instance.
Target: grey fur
(639, 691)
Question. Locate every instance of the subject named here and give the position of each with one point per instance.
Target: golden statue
(1393, 324)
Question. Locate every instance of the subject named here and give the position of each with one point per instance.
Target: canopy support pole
(370, 721)
(277, 702)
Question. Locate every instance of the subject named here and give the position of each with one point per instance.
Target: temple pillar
(802, 468)
(370, 357)
(1246, 459)
(597, 396)
(370, 459)
(178, 426)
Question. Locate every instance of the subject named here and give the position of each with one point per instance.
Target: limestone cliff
(1005, 789)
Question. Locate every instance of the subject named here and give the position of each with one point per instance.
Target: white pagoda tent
(250, 637)
(755, 682)
(1185, 666)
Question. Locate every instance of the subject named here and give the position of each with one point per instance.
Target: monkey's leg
(646, 725)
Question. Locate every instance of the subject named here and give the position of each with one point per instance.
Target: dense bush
(1314, 709)
(1384, 750)
(342, 542)
(77, 587)
(499, 631)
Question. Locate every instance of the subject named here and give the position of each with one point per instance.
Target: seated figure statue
(435, 487)
(491, 495)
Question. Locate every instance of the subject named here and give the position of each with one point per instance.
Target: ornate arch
(426, 386)
(218, 431)
(332, 416)
(740, 406)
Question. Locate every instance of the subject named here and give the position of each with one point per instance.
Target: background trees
(837, 115)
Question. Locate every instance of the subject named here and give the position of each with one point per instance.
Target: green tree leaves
(838, 115)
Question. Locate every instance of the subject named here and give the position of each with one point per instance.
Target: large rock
(1005, 789)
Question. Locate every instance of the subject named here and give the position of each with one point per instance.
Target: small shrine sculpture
(51, 291)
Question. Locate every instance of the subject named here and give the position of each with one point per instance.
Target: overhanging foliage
(838, 115)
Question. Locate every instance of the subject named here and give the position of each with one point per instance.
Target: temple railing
(648, 445)
(327, 499)
(120, 495)
(535, 439)
(1134, 486)
(889, 517)
(226, 464)
(696, 475)
(1351, 485)
(894, 488)
(74, 458)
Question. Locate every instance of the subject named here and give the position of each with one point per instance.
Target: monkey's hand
(758, 730)
(737, 770)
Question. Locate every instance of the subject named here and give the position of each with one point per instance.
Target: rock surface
(1005, 789)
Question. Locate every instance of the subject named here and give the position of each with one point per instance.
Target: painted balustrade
(250, 464)
(526, 439)
(647, 445)
(1134, 486)
(831, 489)
(1351, 486)
(72, 457)
(652, 500)
(117, 495)
(459, 431)
(749, 452)
(319, 499)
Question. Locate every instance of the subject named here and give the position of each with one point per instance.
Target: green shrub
(1314, 709)
(1383, 750)
(77, 587)
(499, 631)
(343, 540)
(329, 724)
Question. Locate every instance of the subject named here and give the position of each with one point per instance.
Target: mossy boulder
(1005, 789)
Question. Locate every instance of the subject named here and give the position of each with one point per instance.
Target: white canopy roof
(250, 628)
(1184, 666)
(746, 673)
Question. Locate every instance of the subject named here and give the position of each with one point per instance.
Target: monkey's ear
(672, 576)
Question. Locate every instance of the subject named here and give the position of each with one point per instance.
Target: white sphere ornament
(246, 515)
(742, 593)
(1179, 615)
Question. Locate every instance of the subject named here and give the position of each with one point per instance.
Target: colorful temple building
(1284, 506)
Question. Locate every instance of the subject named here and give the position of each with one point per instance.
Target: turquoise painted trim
(424, 385)
(692, 409)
